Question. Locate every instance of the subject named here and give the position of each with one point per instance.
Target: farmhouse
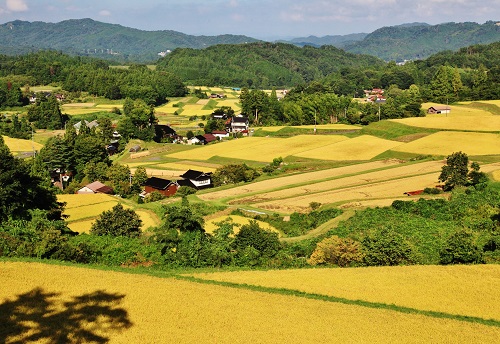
(164, 133)
(94, 188)
(439, 109)
(163, 186)
(210, 137)
(89, 125)
(196, 179)
(220, 133)
(237, 124)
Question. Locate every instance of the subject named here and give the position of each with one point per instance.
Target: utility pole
(314, 121)
(379, 112)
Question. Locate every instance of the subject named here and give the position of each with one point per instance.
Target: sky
(260, 19)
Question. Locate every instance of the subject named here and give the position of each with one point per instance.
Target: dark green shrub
(461, 248)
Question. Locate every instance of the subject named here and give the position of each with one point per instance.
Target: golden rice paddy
(447, 142)
(211, 225)
(363, 147)
(366, 179)
(20, 145)
(139, 308)
(468, 123)
(184, 167)
(460, 289)
(263, 149)
(280, 182)
(386, 189)
(496, 175)
(84, 209)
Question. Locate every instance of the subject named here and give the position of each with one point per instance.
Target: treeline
(78, 74)
(318, 104)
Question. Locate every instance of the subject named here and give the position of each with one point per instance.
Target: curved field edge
(448, 291)
(185, 311)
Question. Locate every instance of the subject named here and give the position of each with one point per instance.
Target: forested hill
(397, 43)
(260, 65)
(102, 40)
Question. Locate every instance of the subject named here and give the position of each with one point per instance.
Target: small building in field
(197, 179)
(135, 149)
(164, 186)
(414, 193)
(95, 188)
(439, 110)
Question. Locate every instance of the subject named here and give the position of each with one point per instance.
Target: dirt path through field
(325, 227)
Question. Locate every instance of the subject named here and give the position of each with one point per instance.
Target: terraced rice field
(366, 179)
(390, 189)
(447, 142)
(84, 209)
(288, 181)
(461, 289)
(363, 147)
(20, 145)
(59, 304)
(211, 225)
(387, 189)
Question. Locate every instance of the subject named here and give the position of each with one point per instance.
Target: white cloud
(104, 13)
(16, 5)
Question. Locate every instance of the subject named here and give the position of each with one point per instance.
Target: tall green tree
(21, 192)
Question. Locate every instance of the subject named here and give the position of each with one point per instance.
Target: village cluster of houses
(233, 125)
(195, 179)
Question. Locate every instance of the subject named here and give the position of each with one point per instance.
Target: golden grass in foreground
(447, 142)
(20, 145)
(211, 226)
(460, 289)
(176, 311)
(297, 178)
(364, 147)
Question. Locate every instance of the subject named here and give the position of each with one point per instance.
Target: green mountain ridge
(102, 40)
(398, 43)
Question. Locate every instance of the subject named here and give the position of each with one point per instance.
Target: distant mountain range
(93, 38)
(111, 41)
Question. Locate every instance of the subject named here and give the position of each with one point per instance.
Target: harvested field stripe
(327, 298)
(298, 179)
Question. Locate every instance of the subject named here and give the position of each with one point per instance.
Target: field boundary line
(335, 299)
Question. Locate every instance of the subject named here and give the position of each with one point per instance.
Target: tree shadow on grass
(39, 315)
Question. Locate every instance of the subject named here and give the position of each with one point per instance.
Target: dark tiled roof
(186, 182)
(240, 119)
(157, 183)
(195, 175)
